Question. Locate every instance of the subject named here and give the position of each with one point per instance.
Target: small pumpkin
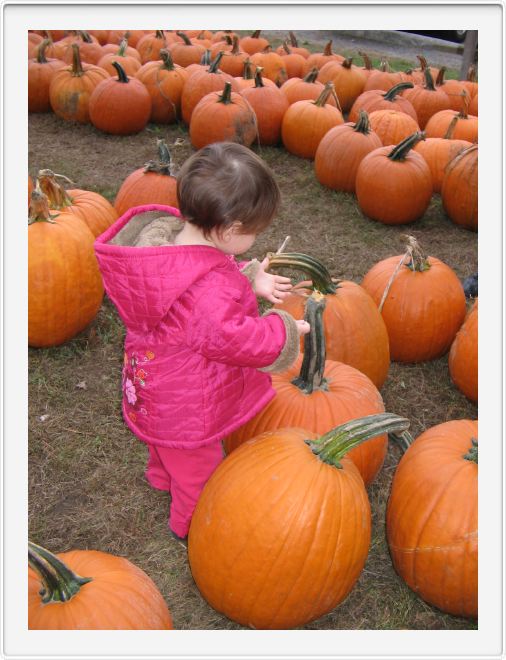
(233, 60)
(394, 185)
(40, 72)
(294, 62)
(427, 99)
(223, 117)
(151, 184)
(91, 590)
(302, 551)
(459, 190)
(164, 81)
(464, 128)
(109, 100)
(421, 300)
(319, 59)
(432, 517)
(90, 50)
(463, 356)
(186, 52)
(272, 64)
(254, 43)
(384, 78)
(269, 104)
(129, 63)
(296, 48)
(348, 79)
(305, 89)
(454, 89)
(150, 45)
(392, 126)
(376, 99)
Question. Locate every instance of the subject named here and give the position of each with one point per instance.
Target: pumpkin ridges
(463, 356)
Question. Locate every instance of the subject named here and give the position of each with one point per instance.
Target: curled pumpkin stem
(59, 583)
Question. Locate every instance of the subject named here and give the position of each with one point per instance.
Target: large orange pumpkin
(150, 45)
(459, 190)
(40, 72)
(427, 99)
(355, 332)
(233, 60)
(187, 51)
(151, 184)
(164, 81)
(307, 88)
(65, 288)
(318, 394)
(269, 104)
(376, 99)
(273, 65)
(463, 356)
(91, 590)
(432, 517)
(279, 535)
(319, 59)
(254, 43)
(464, 125)
(348, 79)
(341, 151)
(392, 126)
(422, 302)
(394, 185)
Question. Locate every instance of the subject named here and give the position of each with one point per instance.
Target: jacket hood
(144, 273)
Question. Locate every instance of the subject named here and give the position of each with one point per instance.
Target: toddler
(197, 352)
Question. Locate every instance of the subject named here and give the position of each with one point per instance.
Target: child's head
(224, 184)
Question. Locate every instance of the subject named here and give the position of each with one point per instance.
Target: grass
(86, 484)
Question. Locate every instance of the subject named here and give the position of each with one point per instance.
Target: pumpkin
(109, 49)
(427, 100)
(203, 82)
(459, 190)
(90, 50)
(392, 126)
(317, 394)
(294, 62)
(65, 288)
(355, 332)
(376, 99)
(464, 126)
(473, 105)
(151, 184)
(348, 79)
(306, 122)
(150, 45)
(301, 546)
(91, 590)
(422, 303)
(438, 152)
(132, 36)
(221, 34)
(94, 209)
(186, 52)
(224, 46)
(384, 78)
(109, 100)
(102, 36)
(269, 104)
(394, 185)
(319, 59)
(223, 117)
(40, 72)
(272, 64)
(341, 151)
(294, 45)
(233, 60)
(305, 89)
(463, 356)
(129, 63)
(34, 41)
(432, 517)
(454, 89)
(470, 82)
(70, 88)
(164, 81)
(254, 43)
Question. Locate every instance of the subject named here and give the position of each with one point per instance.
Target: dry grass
(86, 484)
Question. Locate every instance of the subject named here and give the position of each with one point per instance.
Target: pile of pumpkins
(404, 131)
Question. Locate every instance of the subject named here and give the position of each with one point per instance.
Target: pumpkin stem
(328, 49)
(362, 125)
(226, 97)
(213, 68)
(471, 73)
(402, 439)
(41, 51)
(472, 454)
(286, 48)
(367, 60)
(77, 66)
(320, 276)
(400, 151)
(166, 57)
(85, 37)
(258, 77)
(347, 62)
(256, 34)
(396, 89)
(334, 445)
(164, 164)
(325, 93)
(311, 76)
(185, 38)
(235, 46)
(429, 80)
(247, 73)
(451, 128)
(440, 76)
(59, 583)
(57, 196)
(122, 76)
(122, 48)
(463, 114)
(206, 57)
(423, 62)
(160, 34)
(311, 376)
(293, 39)
(39, 207)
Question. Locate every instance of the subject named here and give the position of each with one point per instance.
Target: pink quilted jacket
(194, 338)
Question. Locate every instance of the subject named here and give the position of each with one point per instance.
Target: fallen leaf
(82, 385)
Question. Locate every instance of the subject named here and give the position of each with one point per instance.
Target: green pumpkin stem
(166, 57)
(122, 76)
(397, 89)
(311, 76)
(325, 93)
(400, 151)
(41, 51)
(334, 445)
(472, 454)
(77, 66)
(256, 34)
(206, 58)
(429, 80)
(185, 38)
(164, 164)
(59, 583)
(451, 128)
(362, 125)
(213, 67)
(440, 78)
(86, 38)
(320, 276)
(402, 439)
(226, 96)
(311, 373)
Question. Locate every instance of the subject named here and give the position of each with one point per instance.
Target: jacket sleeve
(219, 329)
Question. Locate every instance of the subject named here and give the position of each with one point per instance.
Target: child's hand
(274, 288)
(303, 327)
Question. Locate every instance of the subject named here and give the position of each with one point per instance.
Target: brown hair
(224, 183)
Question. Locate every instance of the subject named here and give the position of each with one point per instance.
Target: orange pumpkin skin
(355, 332)
(150, 45)
(186, 53)
(438, 152)
(164, 81)
(465, 128)
(305, 89)
(341, 151)
(459, 191)
(89, 49)
(463, 356)
(40, 72)
(376, 99)
(423, 309)
(298, 552)
(109, 49)
(65, 288)
(453, 89)
(392, 126)
(294, 64)
(427, 100)
(350, 395)
(223, 117)
(432, 518)
(318, 60)
(30, 188)
(109, 100)
(254, 43)
(269, 104)
(273, 66)
(129, 64)
(349, 81)
(473, 105)
(119, 597)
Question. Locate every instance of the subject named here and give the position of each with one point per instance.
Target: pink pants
(184, 473)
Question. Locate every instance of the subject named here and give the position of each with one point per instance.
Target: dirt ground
(86, 484)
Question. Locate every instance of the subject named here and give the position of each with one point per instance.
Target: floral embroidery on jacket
(135, 377)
